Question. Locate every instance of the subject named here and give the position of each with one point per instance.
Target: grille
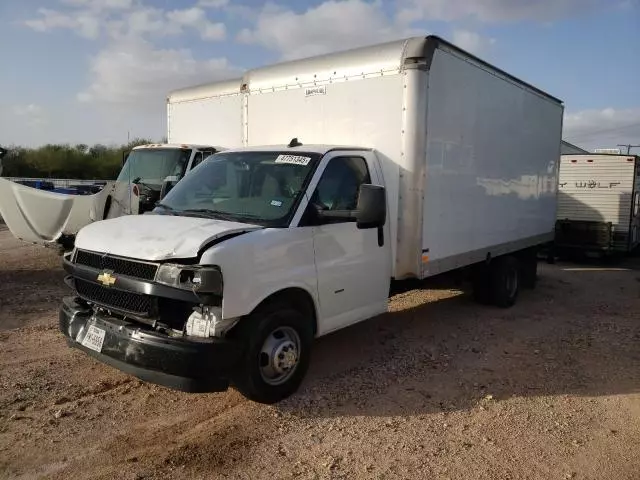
(116, 299)
(130, 268)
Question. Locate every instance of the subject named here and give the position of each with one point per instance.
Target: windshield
(256, 187)
(152, 166)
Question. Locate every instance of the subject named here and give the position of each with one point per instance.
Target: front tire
(277, 340)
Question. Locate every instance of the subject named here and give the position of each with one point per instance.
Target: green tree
(80, 161)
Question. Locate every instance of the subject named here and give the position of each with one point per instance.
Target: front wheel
(277, 341)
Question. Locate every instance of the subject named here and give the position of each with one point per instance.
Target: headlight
(198, 278)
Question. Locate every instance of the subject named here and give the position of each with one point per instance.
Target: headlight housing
(198, 278)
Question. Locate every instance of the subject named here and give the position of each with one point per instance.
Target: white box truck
(200, 122)
(400, 161)
(598, 204)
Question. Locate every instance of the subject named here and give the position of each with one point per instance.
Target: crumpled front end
(121, 315)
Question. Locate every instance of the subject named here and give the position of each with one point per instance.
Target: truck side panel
(215, 120)
(493, 148)
(598, 188)
(363, 112)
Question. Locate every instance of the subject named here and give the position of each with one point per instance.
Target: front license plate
(94, 338)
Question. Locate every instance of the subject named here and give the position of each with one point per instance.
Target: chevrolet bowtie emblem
(106, 279)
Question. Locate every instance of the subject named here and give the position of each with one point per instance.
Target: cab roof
(310, 148)
(178, 145)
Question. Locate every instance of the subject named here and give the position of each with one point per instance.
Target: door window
(197, 158)
(339, 185)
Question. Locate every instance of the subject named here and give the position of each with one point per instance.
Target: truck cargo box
(471, 153)
(207, 114)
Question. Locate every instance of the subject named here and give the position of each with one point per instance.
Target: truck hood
(41, 217)
(155, 237)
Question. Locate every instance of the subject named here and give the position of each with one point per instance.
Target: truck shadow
(573, 335)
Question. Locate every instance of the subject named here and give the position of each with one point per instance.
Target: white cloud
(213, 3)
(122, 18)
(32, 115)
(86, 24)
(602, 128)
(493, 10)
(134, 75)
(471, 41)
(100, 4)
(196, 19)
(332, 25)
(214, 31)
(130, 75)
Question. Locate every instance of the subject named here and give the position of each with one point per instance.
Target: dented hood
(155, 237)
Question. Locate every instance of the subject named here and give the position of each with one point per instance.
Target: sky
(99, 71)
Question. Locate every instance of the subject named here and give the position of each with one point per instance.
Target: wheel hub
(280, 355)
(285, 357)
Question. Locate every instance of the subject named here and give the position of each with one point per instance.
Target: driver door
(353, 269)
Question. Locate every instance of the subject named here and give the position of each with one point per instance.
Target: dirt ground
(439, 388)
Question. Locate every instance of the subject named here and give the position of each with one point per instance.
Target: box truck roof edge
(371, 59)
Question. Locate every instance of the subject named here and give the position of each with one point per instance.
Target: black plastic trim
(190, 365)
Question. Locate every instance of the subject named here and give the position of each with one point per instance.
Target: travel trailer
(598, 204)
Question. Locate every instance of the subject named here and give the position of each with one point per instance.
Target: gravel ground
(438, 388)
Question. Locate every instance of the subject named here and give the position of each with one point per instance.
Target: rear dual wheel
(498, 282)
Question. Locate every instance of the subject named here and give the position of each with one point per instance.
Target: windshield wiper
(167, 208)
(215, 214)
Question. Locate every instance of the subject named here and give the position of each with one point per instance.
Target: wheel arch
(297, 297)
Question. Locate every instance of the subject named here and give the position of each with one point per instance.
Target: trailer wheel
(277, 341)
(504, 281)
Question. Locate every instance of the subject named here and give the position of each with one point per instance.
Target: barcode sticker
(294, 159)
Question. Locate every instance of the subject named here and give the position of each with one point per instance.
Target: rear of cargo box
(209, 114)
(493, 148)
(598, 203)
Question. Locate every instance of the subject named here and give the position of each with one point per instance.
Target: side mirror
(372, 207)
(125, 155)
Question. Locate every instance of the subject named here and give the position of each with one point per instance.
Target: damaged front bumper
(187, 364)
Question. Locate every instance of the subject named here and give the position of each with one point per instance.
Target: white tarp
(40, 216)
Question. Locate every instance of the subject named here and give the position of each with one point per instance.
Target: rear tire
(277, 341)
(529, 269)
(505, 281)
(481, 286)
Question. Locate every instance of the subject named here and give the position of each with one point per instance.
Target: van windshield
(153, 165)
(263, 188)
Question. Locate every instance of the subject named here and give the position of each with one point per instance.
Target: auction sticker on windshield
(94, 339)
(294, 159)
